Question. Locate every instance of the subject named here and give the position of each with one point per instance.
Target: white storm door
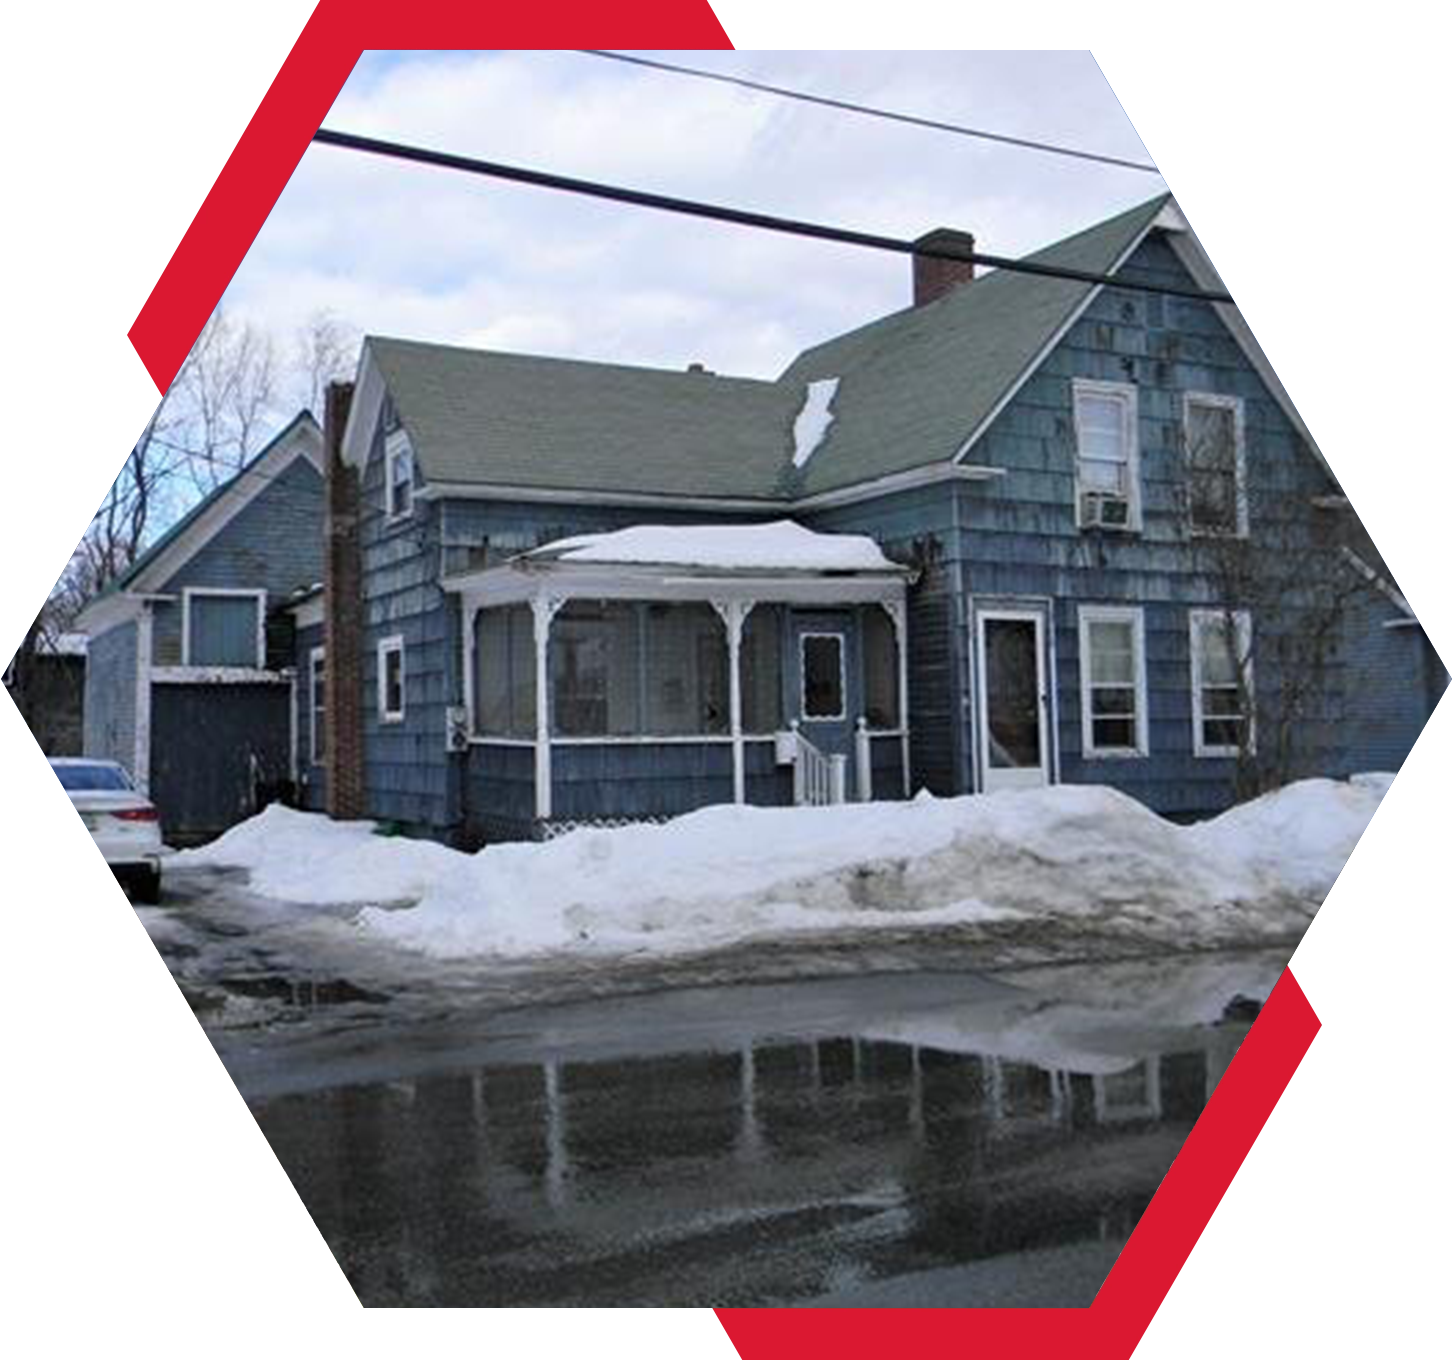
(1013, 743)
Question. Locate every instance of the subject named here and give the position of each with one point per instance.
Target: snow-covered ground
(1070, 856)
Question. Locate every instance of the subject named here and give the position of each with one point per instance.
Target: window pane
(1113, 733)
(318, 717)
(224, 630)
(393, 682)
(1221, 702)
(880, 669)
(1112, 654)
(1097, 475)
(822, 675)
(595, 670)
(1211, 436)
(492, 672)
(1218, 659)
(522, 671)
(686, 671)
(1111, 701)
(762, 670)
(1222, 732)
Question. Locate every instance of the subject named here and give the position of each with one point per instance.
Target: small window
(398, 476)
(223, 628)
(1221, 683)
(823, 677)
(1112, 682)
(317, 750)
(1106, 479)
(1216, 465)
(391, 680)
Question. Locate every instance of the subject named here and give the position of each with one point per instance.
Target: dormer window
(398, 476)
(1107, 491)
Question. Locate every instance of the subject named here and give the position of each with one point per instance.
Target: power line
(869, 111)
(819, 231)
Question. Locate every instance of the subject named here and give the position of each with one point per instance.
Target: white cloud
(401, 249)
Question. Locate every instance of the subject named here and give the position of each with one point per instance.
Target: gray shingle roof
(914, 386)
(475, 416)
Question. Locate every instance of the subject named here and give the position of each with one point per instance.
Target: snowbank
(304, 857)
(1061, 858)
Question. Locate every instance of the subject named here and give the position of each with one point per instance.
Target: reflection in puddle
(786, 1170)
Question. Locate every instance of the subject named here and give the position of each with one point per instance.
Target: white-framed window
(1216, 459)
(825, 681)
(317, 706)
(398, 476)
(1107, 461)
(224, 628)
(1223, 722)
(391, 680)
(1113, 719)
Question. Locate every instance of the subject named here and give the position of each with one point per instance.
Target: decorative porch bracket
(544, 608)
(733, 614)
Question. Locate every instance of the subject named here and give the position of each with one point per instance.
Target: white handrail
(818, 778)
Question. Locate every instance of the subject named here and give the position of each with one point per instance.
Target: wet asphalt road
(903, 1131)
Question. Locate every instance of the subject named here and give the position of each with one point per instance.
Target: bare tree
(223, 398)
(1281, 583)
(326, 352)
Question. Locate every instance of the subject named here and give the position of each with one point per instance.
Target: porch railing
(819, 779)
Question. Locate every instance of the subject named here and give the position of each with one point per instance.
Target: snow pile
(779, 546)
(1065, 857)
(304, 857)
(1043, 862)
(811, 426)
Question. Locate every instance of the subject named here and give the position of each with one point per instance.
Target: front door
(827, 701)
(1013, 736)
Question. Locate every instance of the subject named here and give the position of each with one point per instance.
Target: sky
(386, 248)
(429, 254)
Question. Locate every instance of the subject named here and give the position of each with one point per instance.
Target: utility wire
(638, 198)
(868, 111)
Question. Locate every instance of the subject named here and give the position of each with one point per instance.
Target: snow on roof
(64, 644)
(811, 426)
(779, 546)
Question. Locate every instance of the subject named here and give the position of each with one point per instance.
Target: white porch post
(544, 609)
(734, 614)
(899, 614)
(863, 757)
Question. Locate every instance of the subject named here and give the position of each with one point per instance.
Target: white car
(123, 823)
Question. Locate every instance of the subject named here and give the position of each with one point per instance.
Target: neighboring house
(47, 682)
(996, 540)
(189, 682)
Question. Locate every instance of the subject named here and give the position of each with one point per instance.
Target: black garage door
(215, 751)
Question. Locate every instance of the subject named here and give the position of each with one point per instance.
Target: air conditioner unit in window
(1104, 510)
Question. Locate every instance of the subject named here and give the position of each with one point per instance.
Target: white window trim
(1242, 626)
(1239, 420)
(316, 658)
(388, 646)
(1136, 617)
(842, 714)
(189, 593)
(1127, 394)
(396, 445)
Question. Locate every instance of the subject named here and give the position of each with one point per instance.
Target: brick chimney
(342, 615)
(935, 275)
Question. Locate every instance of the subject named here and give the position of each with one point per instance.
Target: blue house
(1028, 530)
(189, 676)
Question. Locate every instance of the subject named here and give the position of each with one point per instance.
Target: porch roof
(775, 561)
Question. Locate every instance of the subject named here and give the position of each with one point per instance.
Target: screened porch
(648, 672)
